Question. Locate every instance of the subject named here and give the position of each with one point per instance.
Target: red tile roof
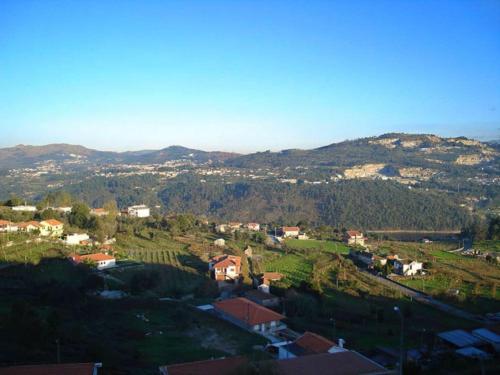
(92, 257)
(59, 369)
(52, 222)
(273, 276)
(290, 229)
(225, 260)
(345, 363)
(247, 311)
(223, 366)
(313, 343)
(353, 233)
(26, 223)
(5, 222)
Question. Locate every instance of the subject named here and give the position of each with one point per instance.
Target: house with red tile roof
(28, 226)
(354, 237)
(253, 226)
(54, 369)
(99, 212)
(346, 363)
(51, 227)
(341, 363)
(309, 343)
(101, 261)
(290, 231)
(221, 366)
(8, 226)
(249, 315)
(225, 267)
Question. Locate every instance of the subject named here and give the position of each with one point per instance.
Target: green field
(321, 245)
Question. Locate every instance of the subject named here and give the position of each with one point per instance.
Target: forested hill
(411, 150)
(25, 156)
(368, 204)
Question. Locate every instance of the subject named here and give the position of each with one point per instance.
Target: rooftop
(52, 222)
(92, 257)
(345, 363)
(222, 366)
(247, 311)
(59, 369)
(460, 338)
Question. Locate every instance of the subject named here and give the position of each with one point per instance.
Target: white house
(64, 209)
(307, 344)
(250, 315)
(253, 226)
(354, 237)
(51, 227)
(8, 226)
(24, 208)
(76, 238)
(225, 267)
(407, 268)
(99, 212)
(290, 231)
(221, 228)
(220, 242)
(29, 226)
(101, 261)
(138, 211)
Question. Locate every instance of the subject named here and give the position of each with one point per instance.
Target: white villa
(138, 211)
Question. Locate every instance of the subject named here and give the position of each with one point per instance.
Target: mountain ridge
(388, 148)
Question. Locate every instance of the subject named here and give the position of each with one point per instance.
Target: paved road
(425, 298)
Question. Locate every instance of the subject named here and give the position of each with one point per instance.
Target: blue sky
(245, 75)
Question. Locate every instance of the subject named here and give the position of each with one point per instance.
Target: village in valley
(263, 296)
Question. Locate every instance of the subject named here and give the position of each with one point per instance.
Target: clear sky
(245, 75)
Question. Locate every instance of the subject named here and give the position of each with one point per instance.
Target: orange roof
(225, 263)
(52, 222)
(223, 366)
(313, 343)
(59, 369)
(224, 259)
(353, 233)
(290, 229)
(5, 222)
(26, 223)
(272, 276)
(92, 257)
(247, 311)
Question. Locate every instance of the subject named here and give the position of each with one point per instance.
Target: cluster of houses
(50, 227)
(402, 267)
(231, 227)
(307, 353)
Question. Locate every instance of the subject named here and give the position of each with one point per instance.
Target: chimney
(341, 343)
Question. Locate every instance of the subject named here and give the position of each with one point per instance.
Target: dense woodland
(362, 204)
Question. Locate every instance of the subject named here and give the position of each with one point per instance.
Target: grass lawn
(327, 246)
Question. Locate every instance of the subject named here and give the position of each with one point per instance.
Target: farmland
(469, 283)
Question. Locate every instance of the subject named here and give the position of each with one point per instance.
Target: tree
(79, 215)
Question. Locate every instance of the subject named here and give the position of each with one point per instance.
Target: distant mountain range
(25, 156)
(411, 150)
